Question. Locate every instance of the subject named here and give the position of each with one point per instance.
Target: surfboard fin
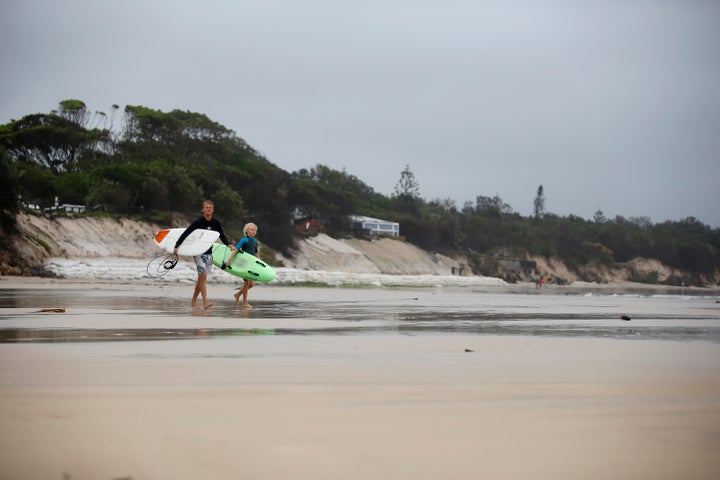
(160, 235)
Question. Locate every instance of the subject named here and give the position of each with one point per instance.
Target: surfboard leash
(161, 264)
(170, 262)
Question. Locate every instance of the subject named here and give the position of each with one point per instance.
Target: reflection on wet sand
(125, 315)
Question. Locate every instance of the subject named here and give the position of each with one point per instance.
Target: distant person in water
(249, 245)
(203, 262)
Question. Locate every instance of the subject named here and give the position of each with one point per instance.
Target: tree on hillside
(406, 198)
(324, 193)
(407, 187)
(230, 202)
(9, 194)
(599, 217)
(74, 111)
(539, 203)
(143, 124)
(52, 140)
(492, 206)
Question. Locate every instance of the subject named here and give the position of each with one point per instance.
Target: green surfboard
(244, 265)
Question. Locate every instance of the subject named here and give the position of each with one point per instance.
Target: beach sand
(257, 405)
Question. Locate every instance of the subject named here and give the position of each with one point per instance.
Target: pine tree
(539, 203)
(407, 186)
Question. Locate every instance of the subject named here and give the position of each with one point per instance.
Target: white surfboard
(198, 242)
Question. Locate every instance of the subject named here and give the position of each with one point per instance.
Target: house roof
(362, 218)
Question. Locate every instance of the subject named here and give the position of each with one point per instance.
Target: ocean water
(184, 272)
(157, 311)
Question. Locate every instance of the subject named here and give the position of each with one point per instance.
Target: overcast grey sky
(611, 105)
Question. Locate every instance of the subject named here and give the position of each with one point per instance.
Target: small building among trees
(374, 226)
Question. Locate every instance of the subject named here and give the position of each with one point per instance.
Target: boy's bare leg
(248, 286)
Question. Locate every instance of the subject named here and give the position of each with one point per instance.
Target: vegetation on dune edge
(144, 163)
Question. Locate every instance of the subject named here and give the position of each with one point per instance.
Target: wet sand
(300, 395)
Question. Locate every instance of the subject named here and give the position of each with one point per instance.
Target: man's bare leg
(201, 290)
(202, 283)
(196, 292)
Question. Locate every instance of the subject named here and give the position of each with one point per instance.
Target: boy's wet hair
(248, 225)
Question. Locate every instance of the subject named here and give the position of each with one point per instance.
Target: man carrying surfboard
(203, 262)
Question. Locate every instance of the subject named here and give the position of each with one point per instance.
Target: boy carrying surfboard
(247, 244)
